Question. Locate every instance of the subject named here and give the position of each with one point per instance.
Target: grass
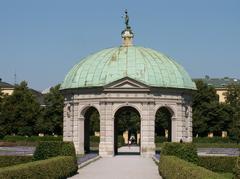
(227, 175)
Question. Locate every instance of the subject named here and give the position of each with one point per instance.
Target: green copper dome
(142, 64)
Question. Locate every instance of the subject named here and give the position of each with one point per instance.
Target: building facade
(220, 85)
(126, 76)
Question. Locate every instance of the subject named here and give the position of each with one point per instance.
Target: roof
(5, 85)
(142, 64)
(219, 82)
(38, 95)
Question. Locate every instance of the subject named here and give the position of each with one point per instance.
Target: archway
(127, 128)
(163, 125)
(91, 130)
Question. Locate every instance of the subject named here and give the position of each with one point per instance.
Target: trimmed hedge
(185, 151)
(48, 149)
(58, 167)
(120, 141)
(17, 138)
(236, 170)
(160, 139)
(223, 164)
(6, 161)
(95, 139)
(171, 167)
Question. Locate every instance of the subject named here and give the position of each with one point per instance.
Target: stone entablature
(126, 92)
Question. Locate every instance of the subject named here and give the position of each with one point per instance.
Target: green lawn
(227, 175)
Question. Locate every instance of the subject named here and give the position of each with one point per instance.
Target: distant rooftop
(38, 95)
(218, 82)
(5, 85)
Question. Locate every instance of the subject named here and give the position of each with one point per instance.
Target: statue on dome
(127, 20)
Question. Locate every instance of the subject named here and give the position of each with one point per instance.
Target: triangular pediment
(126, 84)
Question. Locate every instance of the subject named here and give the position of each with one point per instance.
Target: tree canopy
(208, 114)
(21, 114)
(233, 100)
(20, 111)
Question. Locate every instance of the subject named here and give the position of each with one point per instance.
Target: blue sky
(42, 40)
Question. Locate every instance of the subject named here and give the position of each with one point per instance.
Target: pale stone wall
(145, 100)
(221, 93)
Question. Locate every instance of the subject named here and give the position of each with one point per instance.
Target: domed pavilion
(118, 78)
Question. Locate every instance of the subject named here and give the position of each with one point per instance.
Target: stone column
(67, 123)
(81, 135)
(76, 128)
(147, 130)
(174, 130)
(189, 125)
(106, 146)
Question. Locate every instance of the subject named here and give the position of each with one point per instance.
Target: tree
(52, 120)
(128, 120)
(163, 121)
(208, 114)
(2, 129)
(233, 99)
(94, 122)
(20, 111)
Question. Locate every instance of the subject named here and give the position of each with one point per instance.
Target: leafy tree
(204, 94)
(52, 120)
(2, 129)
(208, 114)
(94, 122)
(233, 95)
(163, 121)
(233, 99)
(128, 119)
(20, 111)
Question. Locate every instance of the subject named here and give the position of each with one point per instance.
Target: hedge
(6, 161)
(185, 151)
(160, 139)
(57, 167)
(171, 167)
(236, 170)
(10, 138)
(47, 149)
(223, 164)
(95, 139)
(120, 141)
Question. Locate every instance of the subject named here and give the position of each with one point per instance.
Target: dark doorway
(127, 121)
(163, 125)
(91, 130)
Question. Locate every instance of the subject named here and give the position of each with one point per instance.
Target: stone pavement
(218, 151)
(120, 167)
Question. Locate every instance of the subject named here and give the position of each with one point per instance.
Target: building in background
(7, 88)
(220, 84)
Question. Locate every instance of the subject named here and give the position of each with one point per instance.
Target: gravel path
(218, 151)
(19, 150)
(120, 167)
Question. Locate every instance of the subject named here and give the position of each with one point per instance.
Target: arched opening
(91, 130)
(127, 131)
(163, 125)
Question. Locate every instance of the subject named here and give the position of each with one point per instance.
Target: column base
(148, 150)
(106, 149)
